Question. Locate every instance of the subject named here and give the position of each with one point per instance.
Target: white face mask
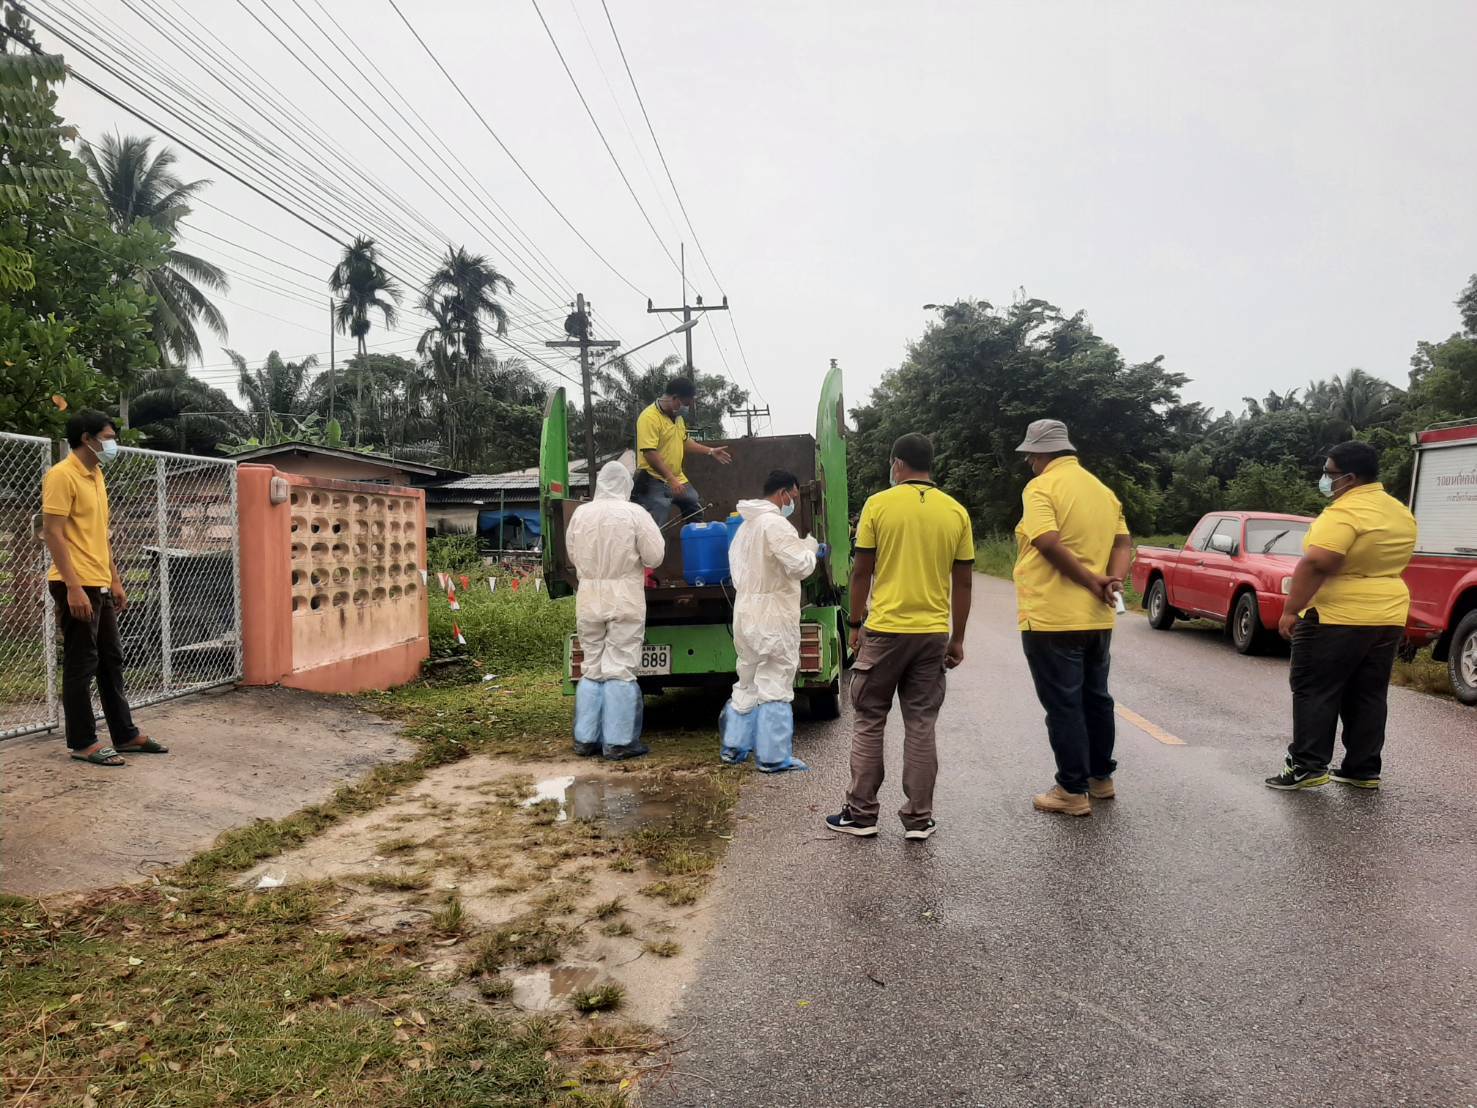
(892, 475)
(787, 510)
(107, 452)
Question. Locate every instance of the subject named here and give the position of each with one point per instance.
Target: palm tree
(362, 286)
(1361, 400)
(136, 183)
(276, 395)
(180, 412)
(460, 296)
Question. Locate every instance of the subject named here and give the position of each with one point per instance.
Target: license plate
(655, 658)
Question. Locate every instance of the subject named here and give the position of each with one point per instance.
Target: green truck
(689, 637)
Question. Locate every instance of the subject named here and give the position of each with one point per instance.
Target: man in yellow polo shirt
(88, 593)
(1073, 552)
(1345, 614)
(661, 448)
(912, 573)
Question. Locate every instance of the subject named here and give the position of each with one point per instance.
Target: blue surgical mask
(108, 452)
(1326, 483)
(788, 510)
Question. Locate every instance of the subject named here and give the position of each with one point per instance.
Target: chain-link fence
(174, 541)
(27, 682)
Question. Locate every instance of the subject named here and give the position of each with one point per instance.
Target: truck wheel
(1161, 615)
(825, 703)
(1247, 633)
(1461, 663)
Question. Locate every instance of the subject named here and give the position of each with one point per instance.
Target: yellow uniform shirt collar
(1065, 460)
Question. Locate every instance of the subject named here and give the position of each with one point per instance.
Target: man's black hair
(915, 452)
(87, 421)
(1062, 454)
(1358, 458)
(780, 479)
(681, 387)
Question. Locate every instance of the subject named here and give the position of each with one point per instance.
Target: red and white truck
(1443, 574)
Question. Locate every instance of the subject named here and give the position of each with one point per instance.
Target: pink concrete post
(266, 577)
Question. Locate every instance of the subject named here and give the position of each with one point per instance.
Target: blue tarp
(514, 521)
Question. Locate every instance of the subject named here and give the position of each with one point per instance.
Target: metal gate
(175, 544)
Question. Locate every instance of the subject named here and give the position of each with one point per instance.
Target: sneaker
(623, 753)
(844, 822)
(587, 750)
(1357, 782)
(1292, 778)
(1058, 800)
(1101, 788)
(918, 834)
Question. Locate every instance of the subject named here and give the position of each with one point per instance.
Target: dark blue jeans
(1070, 669)
(653, 494)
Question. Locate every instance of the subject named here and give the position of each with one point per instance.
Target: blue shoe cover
(620, 731)
(735, 735)
(589, 697)
(774, 735)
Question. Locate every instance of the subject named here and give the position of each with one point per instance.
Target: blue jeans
(1070, 669)
(653, 494)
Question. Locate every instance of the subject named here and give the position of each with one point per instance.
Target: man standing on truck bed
(661, 447)
(1074, 550)
(917, 541)
(1345, 614)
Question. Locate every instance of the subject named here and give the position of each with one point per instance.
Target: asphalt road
(1202, 940)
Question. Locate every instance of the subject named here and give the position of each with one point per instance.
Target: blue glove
(822, 550)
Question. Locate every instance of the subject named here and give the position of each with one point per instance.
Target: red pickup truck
(1443, 574)
(1235, 567)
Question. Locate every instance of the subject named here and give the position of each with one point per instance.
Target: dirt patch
(542, 882)
(235, 757)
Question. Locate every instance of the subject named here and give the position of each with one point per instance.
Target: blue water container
(705, 553)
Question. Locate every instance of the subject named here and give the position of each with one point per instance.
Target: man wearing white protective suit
(767, 560)
(612, 542)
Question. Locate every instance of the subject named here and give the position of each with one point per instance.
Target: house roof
(518, 481)
(384, 461)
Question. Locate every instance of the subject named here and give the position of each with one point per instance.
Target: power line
(603, 140)
(503, 146)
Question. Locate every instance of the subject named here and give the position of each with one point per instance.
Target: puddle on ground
(543, 989)
(619, 806)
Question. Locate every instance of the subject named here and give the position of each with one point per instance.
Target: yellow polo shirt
(918, 532)
(1086, 513)
(71, 490)
(1376, 535)
(655, 430)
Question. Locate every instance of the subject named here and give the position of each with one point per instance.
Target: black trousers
(1340, 672)
(92, 649)
(1070, 669)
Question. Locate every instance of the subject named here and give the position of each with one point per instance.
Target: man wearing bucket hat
(1073, 553)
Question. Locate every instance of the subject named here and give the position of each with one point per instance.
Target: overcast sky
(1261, 192)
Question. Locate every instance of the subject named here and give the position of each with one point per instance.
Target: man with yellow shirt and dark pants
(88, 593)
(1073, 552)
(1345, 614)
(661, 447)
(912, 574)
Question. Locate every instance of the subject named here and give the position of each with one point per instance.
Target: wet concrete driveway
(1202, 940)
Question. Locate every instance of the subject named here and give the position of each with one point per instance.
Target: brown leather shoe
(1101, 788)
(1062, 802)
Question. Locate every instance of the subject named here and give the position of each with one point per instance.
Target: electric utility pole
(578, 326)
(332, 362)
(686, 311)
(748, 415)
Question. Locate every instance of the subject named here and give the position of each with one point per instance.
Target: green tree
(177, 411)
(981, 374)
(461, 297)
(1192, 491)
(138, 184)
(74, 318)
(624, 391)
(277, 396)
(363, 287)
(1359, 401)
(1259, 487)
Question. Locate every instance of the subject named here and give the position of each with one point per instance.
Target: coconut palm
(363, 287)
(461, 296)
(1361, 400)
(135, 184)
(276, 395)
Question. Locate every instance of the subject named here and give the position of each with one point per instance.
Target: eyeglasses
(1332, 472)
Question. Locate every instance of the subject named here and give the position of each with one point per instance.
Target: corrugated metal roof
(517, 480)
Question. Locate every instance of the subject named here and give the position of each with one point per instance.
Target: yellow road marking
(1152, 730)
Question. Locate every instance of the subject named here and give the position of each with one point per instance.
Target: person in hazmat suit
(767, 560)
(612, 542)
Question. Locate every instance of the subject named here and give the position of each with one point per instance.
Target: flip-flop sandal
(149, 747)
(107, 756)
